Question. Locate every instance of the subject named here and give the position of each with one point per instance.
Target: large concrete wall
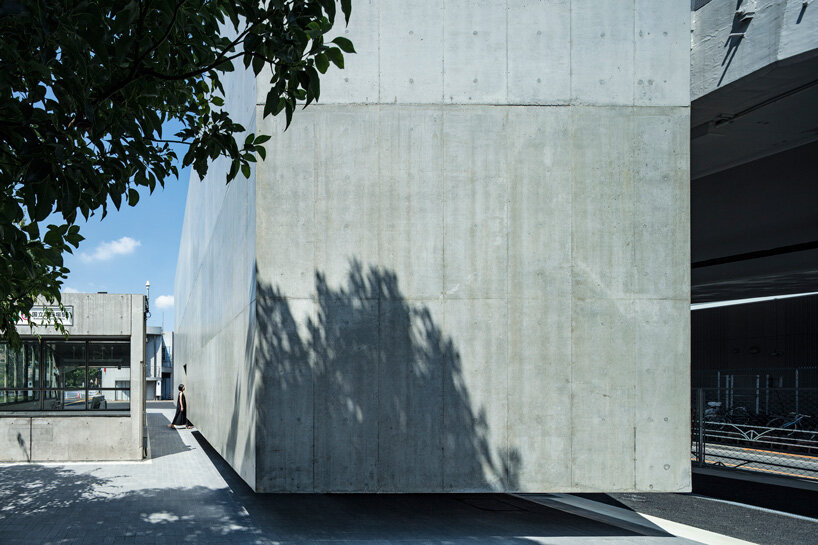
(215, 300)
(472, 259)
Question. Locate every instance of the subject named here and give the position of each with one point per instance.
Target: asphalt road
(740, 521)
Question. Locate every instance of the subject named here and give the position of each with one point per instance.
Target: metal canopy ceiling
(766, 112)
(754, 188)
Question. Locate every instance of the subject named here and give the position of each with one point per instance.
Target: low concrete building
(159, 367)
(80, 397)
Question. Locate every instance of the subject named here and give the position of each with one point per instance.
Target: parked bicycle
(794, 422)
(738, 415)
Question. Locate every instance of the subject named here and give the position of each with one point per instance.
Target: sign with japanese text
(64, 316)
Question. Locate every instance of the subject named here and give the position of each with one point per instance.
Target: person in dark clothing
(180, 419)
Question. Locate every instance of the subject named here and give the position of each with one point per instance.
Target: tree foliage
(86, 87)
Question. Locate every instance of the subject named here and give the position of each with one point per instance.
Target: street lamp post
(145, 316)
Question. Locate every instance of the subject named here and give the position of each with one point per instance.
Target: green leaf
(346, 8)
(288, 112)
(80, 127)
(314, 88)
(336, 56)
(258, 64)
(234, 169)
(116, 197)
(344, 44)
(270, 104)
(52, 237)
(322, 63)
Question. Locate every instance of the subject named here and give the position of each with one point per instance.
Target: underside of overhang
(754, 188)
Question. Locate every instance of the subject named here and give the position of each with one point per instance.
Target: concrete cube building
(465, 269)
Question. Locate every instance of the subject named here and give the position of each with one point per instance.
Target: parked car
(96, 399)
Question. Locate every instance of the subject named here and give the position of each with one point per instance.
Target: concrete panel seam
(481, 106)
(506, 100)
(507, 453)
(379, 54)
(443, 280)
(571, 298)
(436, 105)
(380, 309)
(633, 79)
(635, 451)
(443, 284)
(570, 57)
(315, 266)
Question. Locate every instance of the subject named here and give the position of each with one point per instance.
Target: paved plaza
(186, 493)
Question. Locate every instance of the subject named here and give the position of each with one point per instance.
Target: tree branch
(220, 58)
(198, 72)
(163, 141)
(153, 48)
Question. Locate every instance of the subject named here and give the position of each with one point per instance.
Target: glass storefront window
(64, 364)
(52, 400)
(20, 400)
(20, 368)
(109, 354)
(109, 400)
(65, 375)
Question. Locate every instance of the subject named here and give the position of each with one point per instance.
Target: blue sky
(132, 245)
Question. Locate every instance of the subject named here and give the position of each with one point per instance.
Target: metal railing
(773, 431)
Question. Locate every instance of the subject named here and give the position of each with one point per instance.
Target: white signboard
(38, 315)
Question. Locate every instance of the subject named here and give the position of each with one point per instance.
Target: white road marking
(757, 508)
(635, 518)
(694, 534)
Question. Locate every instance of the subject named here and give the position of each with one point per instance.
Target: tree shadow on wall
(360, 390)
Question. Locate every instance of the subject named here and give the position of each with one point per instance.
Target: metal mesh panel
(763, 429)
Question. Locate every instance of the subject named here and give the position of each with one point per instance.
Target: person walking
(180, 418)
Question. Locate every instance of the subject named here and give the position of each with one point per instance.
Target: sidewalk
(175, 496)
(186, 493)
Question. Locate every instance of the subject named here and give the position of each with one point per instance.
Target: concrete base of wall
(58, 439)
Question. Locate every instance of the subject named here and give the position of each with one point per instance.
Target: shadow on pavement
(163, 440)
(489, 518)
(50, 504)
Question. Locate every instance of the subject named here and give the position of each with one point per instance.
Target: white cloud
(109, 250)
(164, 301)
(69, 289)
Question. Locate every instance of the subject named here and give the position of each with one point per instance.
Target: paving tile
(176, 494)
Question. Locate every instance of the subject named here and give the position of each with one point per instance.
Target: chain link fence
(763, 429)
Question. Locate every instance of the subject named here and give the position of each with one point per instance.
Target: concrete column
(138, 356)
